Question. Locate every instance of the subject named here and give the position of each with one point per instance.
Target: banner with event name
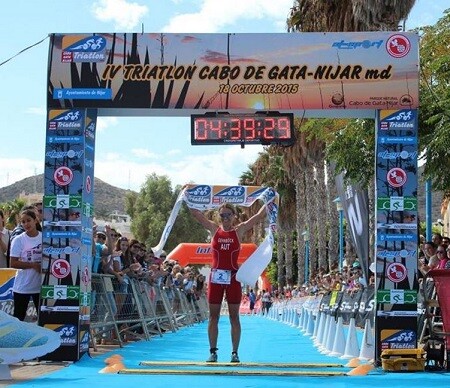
(234, 71)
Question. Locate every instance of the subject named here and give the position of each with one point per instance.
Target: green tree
(434, 113)
(150, 210)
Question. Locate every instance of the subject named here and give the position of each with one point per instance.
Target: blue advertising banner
(396, 232)
(69, 165)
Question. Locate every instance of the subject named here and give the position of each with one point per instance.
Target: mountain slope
(107, 198)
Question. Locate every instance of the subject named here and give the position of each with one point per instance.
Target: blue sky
(128, 148)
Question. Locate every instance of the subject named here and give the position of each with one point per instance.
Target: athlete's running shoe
(212, 357)
(21, 341)
(234, 357)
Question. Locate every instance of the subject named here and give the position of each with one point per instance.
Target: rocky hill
(107, 198)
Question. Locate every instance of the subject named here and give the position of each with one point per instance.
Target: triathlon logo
(68, 120)
(403, 119)
(199, 194)
(396, 177)
(398, 46)
(398, 339)
(89, 49)
(90, 131)
(396, 272)
(232, 194)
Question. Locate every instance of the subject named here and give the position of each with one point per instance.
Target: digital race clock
(225, 128)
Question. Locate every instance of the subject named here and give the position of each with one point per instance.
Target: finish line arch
(341, 75)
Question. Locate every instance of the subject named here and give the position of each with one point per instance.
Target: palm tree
(348, 15)
(306, 163)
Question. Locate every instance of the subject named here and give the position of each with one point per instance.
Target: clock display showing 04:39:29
(252, 128)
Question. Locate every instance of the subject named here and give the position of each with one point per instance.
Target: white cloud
(222, 167)
(215, 15)
(143, 153)
(16, 169)
(37, 111)
(103, 123)
(124, 14)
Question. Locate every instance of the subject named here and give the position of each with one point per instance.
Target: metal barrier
(138, 310)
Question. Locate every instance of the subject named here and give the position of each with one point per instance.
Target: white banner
(204, 197)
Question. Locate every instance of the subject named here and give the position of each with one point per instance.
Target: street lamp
(340, 210)
(305, 235)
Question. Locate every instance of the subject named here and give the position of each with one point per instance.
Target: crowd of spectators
(129, 258)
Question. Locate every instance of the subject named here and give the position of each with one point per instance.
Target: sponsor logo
(60, 292)
(257, 195)
(60, 268)
(64, 154)
(203, 250)
(405, 140)
(397, 226)
(68, 334)
(397, 296)
(60, 308)
(398, 339)
(88, 184)
(90, 131)
(398, 46)
(82, 94)
(405, 253)
(90, 49)
(6, 292)
(63, 176)
(88, 209)
(61, 251)
(199, 194)
(396, 203)
(365, 44)
(62, 223)
(395, 155)
(382, 237)
(62, 201)
(396, 272)
(68, 120)
(64, 139)
(398, 313)
(232, 194)
(396, 177)
(62, 234)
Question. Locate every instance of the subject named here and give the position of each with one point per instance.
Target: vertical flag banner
(397, 230)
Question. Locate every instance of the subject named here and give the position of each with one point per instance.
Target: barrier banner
(366, 306)
(349, 305)
(204, 197)
(325, 304)
(6, 293)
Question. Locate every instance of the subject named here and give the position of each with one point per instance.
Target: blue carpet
(262, 340)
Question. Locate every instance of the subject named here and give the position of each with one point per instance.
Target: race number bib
(220, 276)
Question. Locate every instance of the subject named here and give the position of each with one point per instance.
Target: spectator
(19, 229)
(4, 241)
(26, 256)
(252, 300)
(266, 301)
